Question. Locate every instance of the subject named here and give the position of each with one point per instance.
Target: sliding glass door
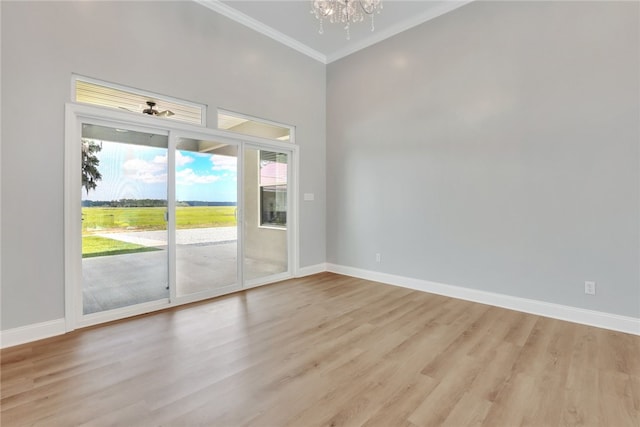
(169, 214)
(124, 207)
(206, 210)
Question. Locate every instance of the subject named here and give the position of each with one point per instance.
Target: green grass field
(93, 246)
(100, 220)
(96, 220)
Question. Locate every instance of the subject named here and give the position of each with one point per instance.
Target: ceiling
(291, 23)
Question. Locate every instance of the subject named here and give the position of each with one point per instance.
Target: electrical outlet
(590, 288)
(378, 257)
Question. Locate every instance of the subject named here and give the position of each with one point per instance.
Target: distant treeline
(147, 203)
(199, 203)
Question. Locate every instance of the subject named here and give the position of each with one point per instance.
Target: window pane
(265, 214)
(273, 203)
(206, 227)
(124, 230)
(273, 188)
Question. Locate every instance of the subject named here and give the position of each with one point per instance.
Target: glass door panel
(206, 216)
(265, 214)
(124, 228)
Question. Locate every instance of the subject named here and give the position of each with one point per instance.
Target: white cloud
(220, 163)
(181, 159)
(148, 172)
(160, 160)
(155, 171)
(188, 177)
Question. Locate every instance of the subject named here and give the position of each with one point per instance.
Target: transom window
(247, 125)
(96, 92)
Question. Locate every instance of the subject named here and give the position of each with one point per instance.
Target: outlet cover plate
(590, 288)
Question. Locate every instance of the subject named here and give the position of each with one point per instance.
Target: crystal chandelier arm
(370, 6)
(344, 11)
(322, 8)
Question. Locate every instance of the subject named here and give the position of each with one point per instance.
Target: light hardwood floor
(327, 350)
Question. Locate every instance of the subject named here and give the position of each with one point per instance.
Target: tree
(90, 173)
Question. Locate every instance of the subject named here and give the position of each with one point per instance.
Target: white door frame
(75, 115)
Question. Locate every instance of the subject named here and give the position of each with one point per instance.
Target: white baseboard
(311, 269)
(25, 334)
(630, 325)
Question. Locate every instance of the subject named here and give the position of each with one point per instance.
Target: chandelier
(344, 12)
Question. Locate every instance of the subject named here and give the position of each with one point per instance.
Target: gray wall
(179, 49)
(496, 148)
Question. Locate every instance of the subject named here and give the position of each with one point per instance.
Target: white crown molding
(630, 325)
(241, 18)
(376, 37)
(414, 21)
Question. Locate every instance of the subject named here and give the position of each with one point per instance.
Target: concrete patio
(205, 259)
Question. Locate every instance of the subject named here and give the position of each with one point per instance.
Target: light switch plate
(309, 197)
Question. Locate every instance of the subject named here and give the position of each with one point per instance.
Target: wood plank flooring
(326, 350)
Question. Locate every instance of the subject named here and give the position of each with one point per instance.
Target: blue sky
(140, 172)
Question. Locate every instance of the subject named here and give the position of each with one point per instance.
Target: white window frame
(75, 115)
